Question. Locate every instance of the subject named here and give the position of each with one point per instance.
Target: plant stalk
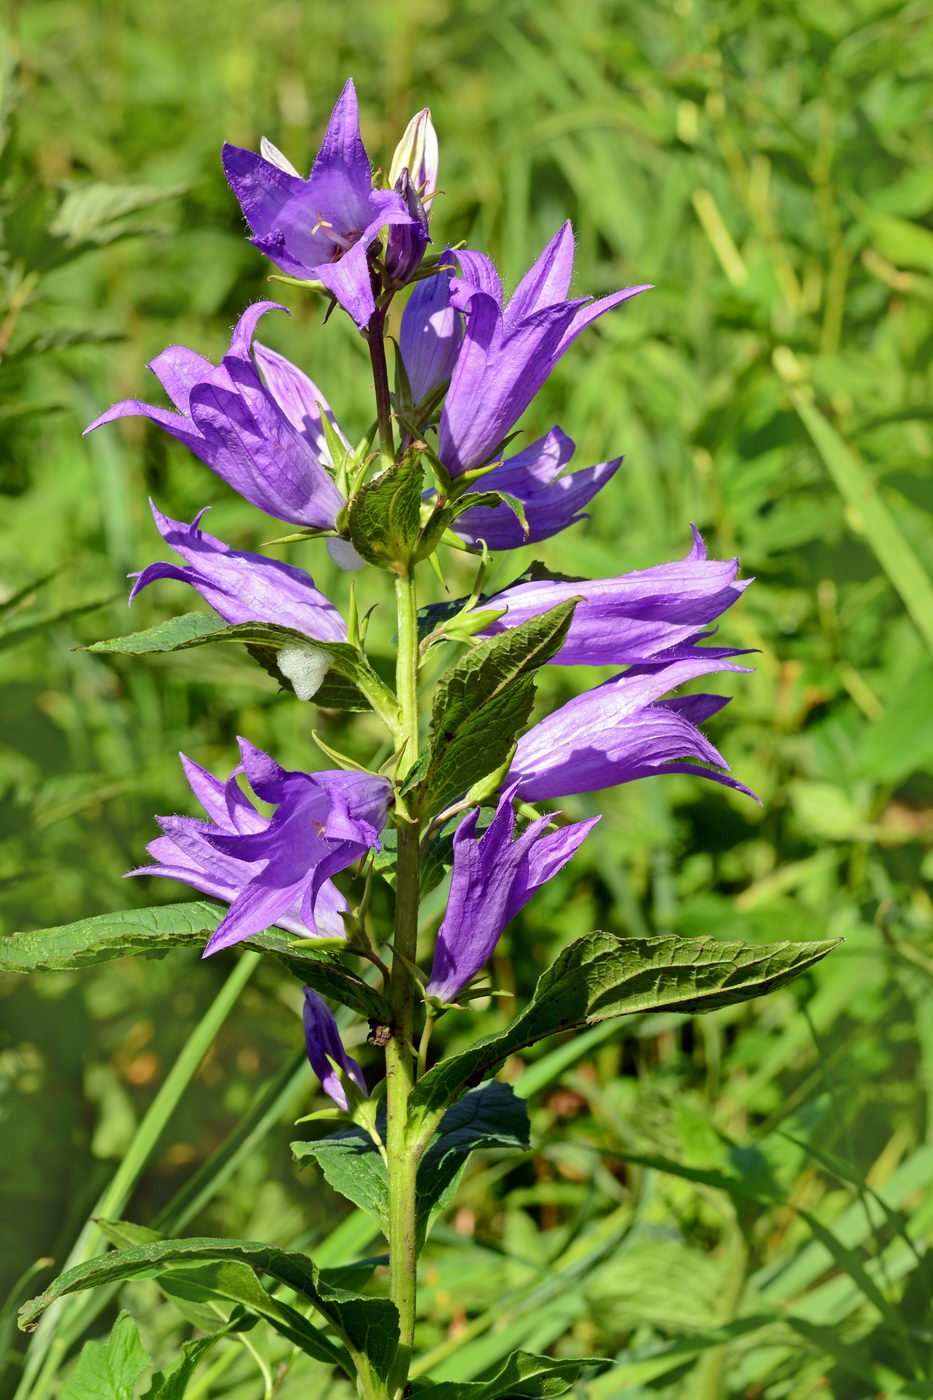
(375, 335)
(402, 1153)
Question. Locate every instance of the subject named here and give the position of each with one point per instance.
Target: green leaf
(871, 516)
(368, 1326)
(483, 702)
(154, 931)
(334, 693)
(490, 1116)
(601, 975)
(384, 517)
(108, 1370)
(172, 1382)
(523, 1375)
(352, 1165)
(203, 629)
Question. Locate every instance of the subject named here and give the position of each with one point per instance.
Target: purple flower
(272, 871)
(230, 419)
(430, 332)
(623, 730)
(321, 227)
(243, 587)
(648, 615)
(493, 878)
(323, 1043)
(509, 351)
(552, 499)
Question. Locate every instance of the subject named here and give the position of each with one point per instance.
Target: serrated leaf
(490, 1116)
(198, 629)
(108, 1370)
(352, 1165)
(367, 1326)
(172, 1382)
(154, 931)
(524, 1375)
(483, 702)
(601, 975)
(384, 517)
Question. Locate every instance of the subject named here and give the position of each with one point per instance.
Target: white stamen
(344, 555)
(305, 667)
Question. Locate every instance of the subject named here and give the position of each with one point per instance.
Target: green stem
(56, 1331)
(400, 1066)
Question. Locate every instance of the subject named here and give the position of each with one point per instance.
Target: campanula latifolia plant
(463, 787)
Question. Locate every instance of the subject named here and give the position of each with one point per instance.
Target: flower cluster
(471, 363)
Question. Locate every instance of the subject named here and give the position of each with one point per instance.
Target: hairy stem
(400, 1067)
(375, 335)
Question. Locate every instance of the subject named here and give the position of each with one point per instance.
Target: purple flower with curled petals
(242, 587)
(510, 349)
(648, 615)
(324, 1046)
(277, 869)
(430, 332)
(493, 878)
(552, 498)
(323, 227)
(622, 730)
(235, 424)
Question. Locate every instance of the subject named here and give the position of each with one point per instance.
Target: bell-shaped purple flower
(430, 332)
(648, 615)
(234, 422)
(240, 586)
(623, 730)
(509, 350)
(493, 877)
(272, 871)
(552, 498)
(324, 1046)
(323, 227)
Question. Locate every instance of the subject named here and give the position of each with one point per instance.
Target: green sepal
(602, 975)
(482, 704)
(384, 515)
(443, 517)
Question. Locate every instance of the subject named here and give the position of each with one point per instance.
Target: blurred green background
(733, 1206)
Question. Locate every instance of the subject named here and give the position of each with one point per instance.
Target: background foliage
(733, 1206)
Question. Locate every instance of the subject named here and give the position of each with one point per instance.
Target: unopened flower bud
(405, 243)
(417, 153)
(305, 667)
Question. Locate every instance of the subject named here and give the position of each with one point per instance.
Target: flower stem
(375, 335)
(402, 1153)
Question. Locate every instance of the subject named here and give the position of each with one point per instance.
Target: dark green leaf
(202, 629)
(483, 702)
(523, 1375)
(154, 931)
(368, 1326)
(601, 975)
(490, 1116)
(384, 518)
(108, 1370)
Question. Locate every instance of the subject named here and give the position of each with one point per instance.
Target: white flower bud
(344, 555)
(305, 667)
(417, 153)
(274, 156)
